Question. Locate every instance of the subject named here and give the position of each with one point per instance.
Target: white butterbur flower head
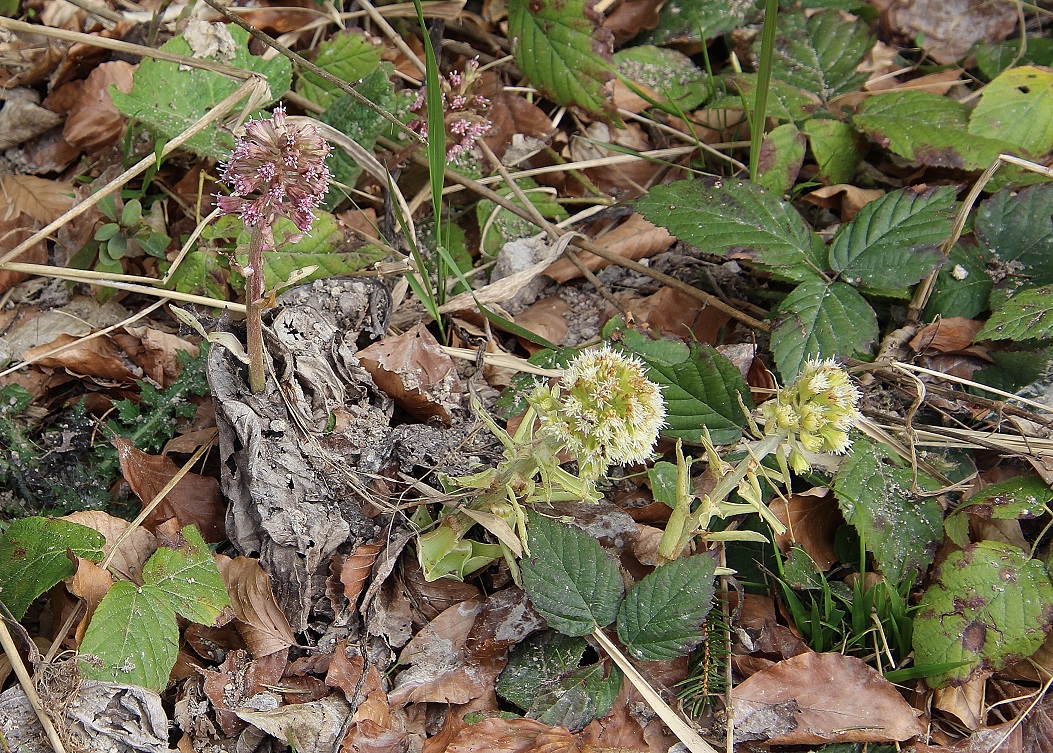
(817, 411)
(604, 411)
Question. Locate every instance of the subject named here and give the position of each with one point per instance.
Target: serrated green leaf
(781, 157)
(927, 128)
(34, 556)
(571, 582)
(688, 21)
(132, 638)
(169, 100)
(558, 46)
(893, 241)
(662, 615)
(821, 320)
(785, 101)
(819, 52)
(902, 529)
(962, 287)
(200, 273)
(1017, 227)
(992, 59)
(741, 218)
(1017, 107)
(668, 73)
(1017, 498)
(837, 148)
(349, 55)
(543, 678)
(702, 389)
(1028, 315)
(1014, 369)
(988, 605)
(188, 577)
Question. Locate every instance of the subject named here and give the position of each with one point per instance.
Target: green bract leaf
(188, 578)
(132, 638)
(1028, 315)
(169, 100)
(685, 21)
(900, 528)
(571, 582)
(1017, 107)
(892, 242)
(741, 218)
(558, 44)
(781, 157)
(349, 55)
(668, 73)
(926, 128)
(837, 148)
(819, 52)
(702, 389)
(543, 678)
(962, 287)
(662, 615)
(1016, 499)
(1017, 227)
(821, 320)
(34, 556)
(988, 605)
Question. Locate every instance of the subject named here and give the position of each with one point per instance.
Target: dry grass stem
(26, 682)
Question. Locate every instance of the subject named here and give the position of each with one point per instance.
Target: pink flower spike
(277, 169)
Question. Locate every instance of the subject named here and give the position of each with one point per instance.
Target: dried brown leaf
(134, 551)
(677, 314)
(259, 619)
(497, 735)
(98, 357)
(953, 334)
(547, 318)
(94, 123)
(431, 598)
(195, 500)
(22, 118)
(811, 519)
(155, 351)
(635, 239)
(947, 29)
(353, 570)
(840, 699)
(632, 17)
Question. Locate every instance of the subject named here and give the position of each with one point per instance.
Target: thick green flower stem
(685, 523)
(260, 240)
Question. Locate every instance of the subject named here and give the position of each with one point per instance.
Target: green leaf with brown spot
(781, 157)
(987, 605)
(564, 52)
(1020, 498)
(687, 21)
(1017, 107)
(1028, 315)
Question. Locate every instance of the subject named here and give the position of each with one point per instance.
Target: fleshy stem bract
(815, 414)
(277, 169)
(604, 411)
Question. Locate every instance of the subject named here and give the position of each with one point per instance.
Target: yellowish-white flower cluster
(604, 411)
(816, 412)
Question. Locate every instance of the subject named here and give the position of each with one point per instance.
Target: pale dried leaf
(811, 519)
(94, 122)
(635, 239)
(259, 619)
(134, 551)
(98, 357)
(354, 569)
(23, 119)
(947, 29)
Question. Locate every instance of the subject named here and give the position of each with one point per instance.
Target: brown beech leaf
(155, 352)
(353, 570)
(1008, 737)
(43, 200)
(632, 17)
(626, 179)
(194, 500)
(13, 232)
(437, 670)
(22, 118)
(98, 357)
(635, 239)
(964, 702)
(259, 619)
(548, 318)
(346, 673)
(811, 519)
(94, 123)
(437, 596)
(135, 550)
(418, 375)
(679, 315)
(951, 335)
(497, 735)
(511, 114)
(90, 583)
(237, 679)
(842, 198)
(947, 29)
(839, 699)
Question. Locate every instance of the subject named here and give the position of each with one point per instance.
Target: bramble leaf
(740, 218)
(893, 241)
(34, 556)
(188, 578)
(571, 582)
(349, 55)
(169, 100)
(702, 389)
(837, 148)
(662, 615)
(1017, 498)
(1017, 107)
(1028, 315)
(963, 286)
(561, 48)
(902, 529)
(987, 604)
(821, 320)
(781, 157)
(668, 73)
(819, 52)
(1017, 227)
(687, 21)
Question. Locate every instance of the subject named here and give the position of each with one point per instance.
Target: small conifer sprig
(277, 170)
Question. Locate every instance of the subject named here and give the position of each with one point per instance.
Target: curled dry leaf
(195, 500)
(90, 583)
(155, 352)
(257, 615)
(946, 30)
(844, 199)
(952, 334)
(98, 357)
(964, 702)
(346, 673)
(418, 375)
(354, 569)
(839, 699)
(316, 727)
(94, 123)
(549, 318)
(811, 519)
(676, 314)
(632, 17)
(22, 118)
(635, 239)
(134, 551)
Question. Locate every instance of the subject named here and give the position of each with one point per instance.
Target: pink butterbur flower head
(277, 169)
(464, 112)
